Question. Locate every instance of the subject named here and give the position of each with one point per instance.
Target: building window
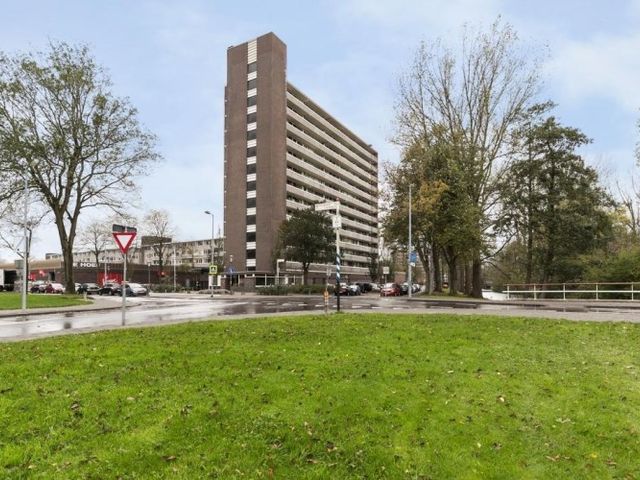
(251, 237)
(251, 168)
(251, 152)
(251, 269)
(251, 101)
(251, 134)
(251, 186)
(251, 219)
(252, 117)
(251, 254)
(251, 84)
(252, 67)
(251, 202)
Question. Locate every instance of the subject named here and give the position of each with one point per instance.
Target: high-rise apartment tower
(284, 152)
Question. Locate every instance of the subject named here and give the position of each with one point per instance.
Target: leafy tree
(469, 101)
(78, 145)
(307, 237)
(554, 203)
(444, 219)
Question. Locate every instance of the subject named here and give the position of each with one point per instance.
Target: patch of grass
(12, 301)
(349, 396)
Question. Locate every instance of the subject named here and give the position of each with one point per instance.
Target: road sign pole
(124, 236)
(124, 288)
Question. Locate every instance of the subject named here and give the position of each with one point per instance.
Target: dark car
(390, 290)
(365, 287)
(108, 289)
(404, 289)
(89, 288)
(344, 290)
(38, 287)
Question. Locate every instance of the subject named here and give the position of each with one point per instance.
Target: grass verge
(348, 396)
(12, 301)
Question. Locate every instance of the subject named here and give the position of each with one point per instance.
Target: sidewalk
(540, 304)
(99, 304)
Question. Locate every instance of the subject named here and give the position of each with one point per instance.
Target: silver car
(137, 289)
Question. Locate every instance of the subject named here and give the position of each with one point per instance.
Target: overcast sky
(169, 58)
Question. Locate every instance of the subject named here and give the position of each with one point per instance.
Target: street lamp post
(213, 248)
(25, 253)
(174, 269)
(410, 258)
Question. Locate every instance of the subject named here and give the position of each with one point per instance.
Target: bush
(293, 289)
(166, 288)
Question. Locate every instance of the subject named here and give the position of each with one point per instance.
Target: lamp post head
(207, 212)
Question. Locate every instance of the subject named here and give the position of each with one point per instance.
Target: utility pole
(337, 223)
(213, 247)
(25, 253)
(410, 248)
(174, 268)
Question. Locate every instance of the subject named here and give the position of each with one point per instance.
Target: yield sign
(124, 240)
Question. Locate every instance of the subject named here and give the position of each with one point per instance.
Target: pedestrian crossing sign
(213, 269)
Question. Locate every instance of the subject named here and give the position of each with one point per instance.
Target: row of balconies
(327, 125)
(315, 199)
(331, 179)
(368, 209)
(346, 153)
(345, 162)
(335, 170)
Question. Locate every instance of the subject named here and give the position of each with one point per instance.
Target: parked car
(54, 288)
(133, 290)
(38, 286)
(416, 288)
(108, 289)
(354, 289)
(390, 290)
(344, 290)
(404, 289)
(365, 287)
(90, 288)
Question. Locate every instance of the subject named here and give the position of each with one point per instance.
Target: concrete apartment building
(284, 152)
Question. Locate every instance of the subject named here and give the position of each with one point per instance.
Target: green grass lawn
(13, 301)
(348, 396)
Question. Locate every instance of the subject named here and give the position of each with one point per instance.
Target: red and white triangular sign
(124, 240)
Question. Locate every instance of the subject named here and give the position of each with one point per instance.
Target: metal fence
(581, 291)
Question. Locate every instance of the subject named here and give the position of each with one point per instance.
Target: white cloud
(429, 16)
(603, 66)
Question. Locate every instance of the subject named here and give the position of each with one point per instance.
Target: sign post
(124, 237)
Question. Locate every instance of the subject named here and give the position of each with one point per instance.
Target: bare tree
(95, 237)
(470, 99)
(630, 202)
(12, 228)
(158, 226)
(77, 144)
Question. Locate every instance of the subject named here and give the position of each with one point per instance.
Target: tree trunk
(67, 255)
(305, 273)
(429, 271)
(467, 278)
(453, 277)
(476, 291)
(437, 270)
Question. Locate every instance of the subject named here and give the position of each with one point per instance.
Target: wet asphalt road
(165, 309)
